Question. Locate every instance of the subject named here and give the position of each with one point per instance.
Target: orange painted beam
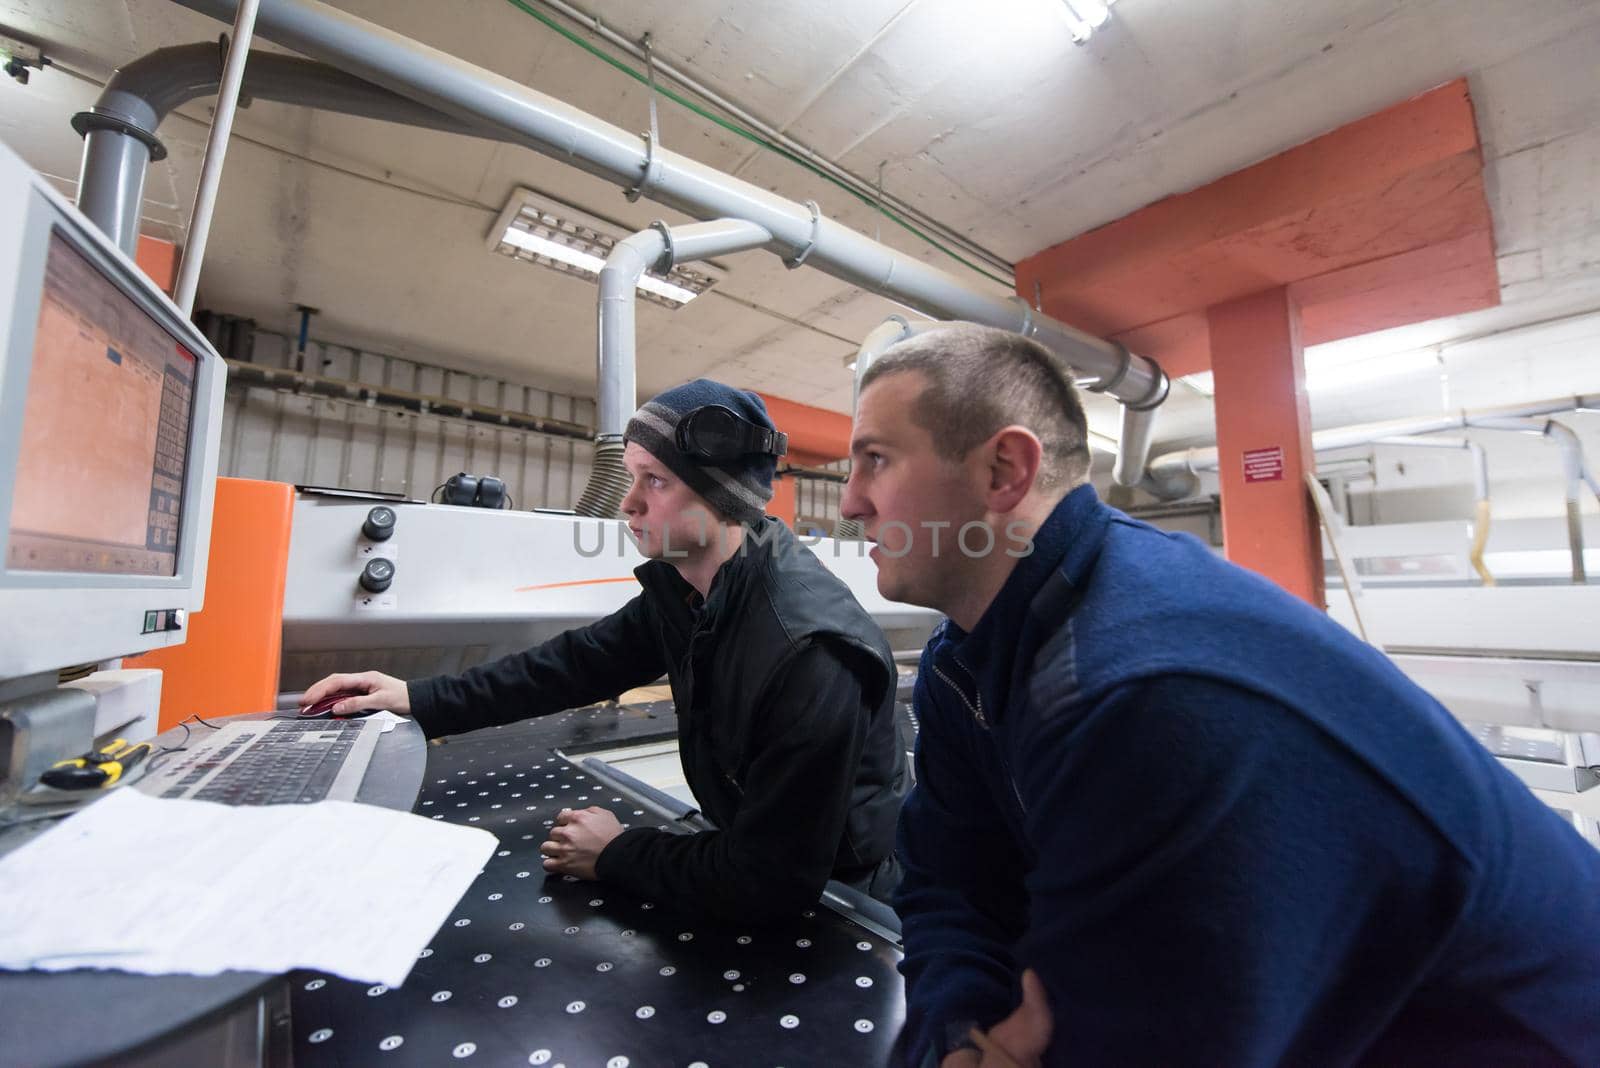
(822, 434)
(1181, 344)
(1384, 221)
(1448, 278)
(1264, 442)
(159, 260)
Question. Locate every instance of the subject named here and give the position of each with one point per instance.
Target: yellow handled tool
(100, 768)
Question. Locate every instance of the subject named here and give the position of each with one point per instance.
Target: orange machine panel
(229, 664)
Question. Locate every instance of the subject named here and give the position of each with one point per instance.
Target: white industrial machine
(414, 589)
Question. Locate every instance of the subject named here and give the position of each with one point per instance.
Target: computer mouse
(324, 708)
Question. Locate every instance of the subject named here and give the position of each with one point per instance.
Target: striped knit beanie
(738, 491)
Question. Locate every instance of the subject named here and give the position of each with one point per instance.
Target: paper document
(387, 718)
(143, 884)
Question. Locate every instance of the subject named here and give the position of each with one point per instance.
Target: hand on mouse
(373, 690)
(577, 840)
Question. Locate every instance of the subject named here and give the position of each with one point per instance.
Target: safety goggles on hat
(717, 434)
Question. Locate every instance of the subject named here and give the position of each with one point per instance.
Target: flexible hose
(1480, 538)
(608, 482)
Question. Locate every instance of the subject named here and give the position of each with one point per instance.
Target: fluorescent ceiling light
(552, 249)
(538, 230)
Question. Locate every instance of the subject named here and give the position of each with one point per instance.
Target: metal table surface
(51, 1018)
(540, 970)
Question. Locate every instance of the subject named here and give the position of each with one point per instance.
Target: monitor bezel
(42, 219)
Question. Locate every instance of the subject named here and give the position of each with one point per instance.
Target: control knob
(380, 523)
(377, 575)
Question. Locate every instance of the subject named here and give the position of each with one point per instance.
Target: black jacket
(785, 692)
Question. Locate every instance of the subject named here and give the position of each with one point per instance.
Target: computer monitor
(110, 421)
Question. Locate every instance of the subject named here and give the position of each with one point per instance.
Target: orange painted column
(783, 504)
(159, 259)
(816, 436)
(1264, 441)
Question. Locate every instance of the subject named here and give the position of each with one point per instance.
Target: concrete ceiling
(987, 119)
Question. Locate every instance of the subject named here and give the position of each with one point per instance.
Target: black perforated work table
(540, 970)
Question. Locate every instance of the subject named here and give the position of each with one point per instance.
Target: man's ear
(1015, 456)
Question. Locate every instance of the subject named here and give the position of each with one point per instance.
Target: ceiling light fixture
(538, 230)
(1085, 16)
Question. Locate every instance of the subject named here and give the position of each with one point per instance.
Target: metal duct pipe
(1480, 459)
(119, 131)
(891, 331)
(556, 129)
(1480, 489)
(1169, 469)
(860, 186)
(659, 248)
(1575, 469)
(111, 181)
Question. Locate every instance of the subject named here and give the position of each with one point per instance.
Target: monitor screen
(105, 433)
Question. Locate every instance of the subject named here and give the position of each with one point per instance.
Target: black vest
(769, 602)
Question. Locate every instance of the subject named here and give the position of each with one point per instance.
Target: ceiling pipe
(1480, 491)
(860, 186)
(1480, 458)
(545, 124)
(881, 338)
(890, 332)
(1175, 471)
(657, 249)
(119, 131)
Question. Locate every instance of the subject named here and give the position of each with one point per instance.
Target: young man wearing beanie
(784, 686)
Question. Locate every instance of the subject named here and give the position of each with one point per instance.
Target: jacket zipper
(975, 706)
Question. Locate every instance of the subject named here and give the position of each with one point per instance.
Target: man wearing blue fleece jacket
(1164, 812)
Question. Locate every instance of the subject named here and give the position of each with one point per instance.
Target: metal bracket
(85, 121)
(669, 254)
(1158, 391)
(816, 232)
(651, 174)
(1028, 325)
(1111, 382)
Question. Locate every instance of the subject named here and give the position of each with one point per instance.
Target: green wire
(752, 136)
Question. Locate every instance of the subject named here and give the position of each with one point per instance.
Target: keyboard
(270, 762)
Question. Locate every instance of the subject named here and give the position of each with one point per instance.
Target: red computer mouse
(324, 708)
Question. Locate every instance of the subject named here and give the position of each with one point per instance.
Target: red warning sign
(1263, 465)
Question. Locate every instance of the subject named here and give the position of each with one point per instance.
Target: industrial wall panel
(282, 436)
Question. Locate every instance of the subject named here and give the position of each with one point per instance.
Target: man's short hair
(980, 380)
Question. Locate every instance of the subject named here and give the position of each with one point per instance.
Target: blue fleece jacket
(1224, 832)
